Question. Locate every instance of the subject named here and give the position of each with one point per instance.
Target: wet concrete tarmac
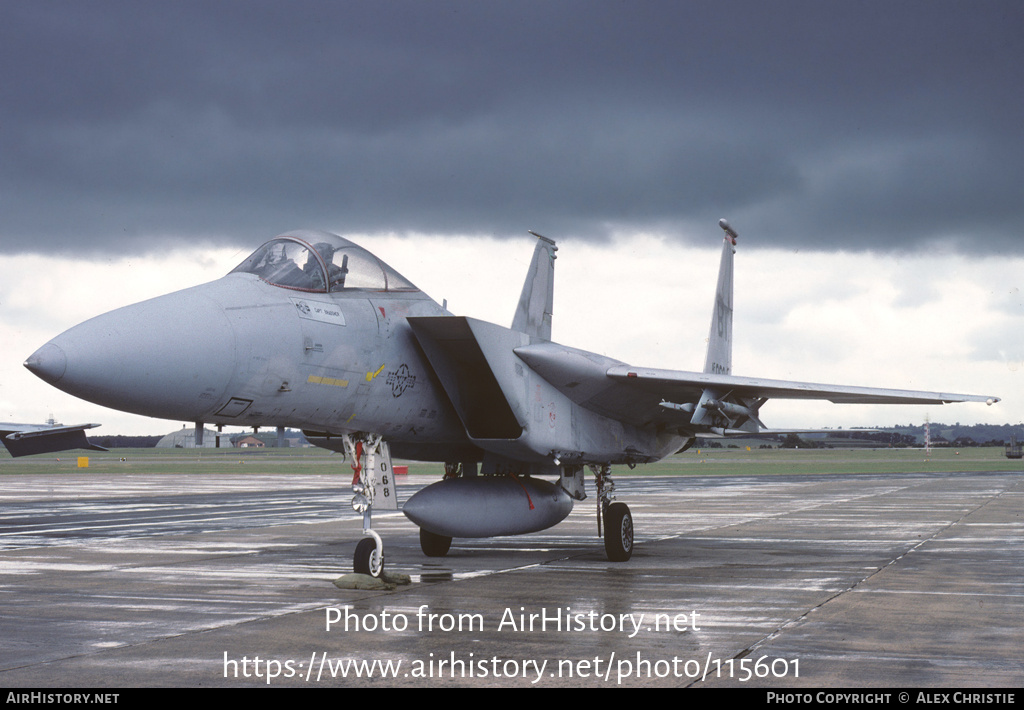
(824, 581)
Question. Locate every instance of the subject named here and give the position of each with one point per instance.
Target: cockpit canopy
(320, 262)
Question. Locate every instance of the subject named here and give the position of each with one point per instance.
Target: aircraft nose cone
(48, 363)
(169, 357)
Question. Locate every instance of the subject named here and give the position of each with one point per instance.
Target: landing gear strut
(372, 483)
(618, 521)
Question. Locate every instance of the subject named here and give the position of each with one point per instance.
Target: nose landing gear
(373, 485)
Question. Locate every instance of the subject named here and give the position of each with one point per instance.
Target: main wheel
(434, 545)
(618, 532)
(367, 560)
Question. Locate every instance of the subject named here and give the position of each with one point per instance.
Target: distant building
(248, 442)
(186, 439)
(290, 438)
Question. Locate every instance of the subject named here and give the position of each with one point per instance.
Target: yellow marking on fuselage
(371, 375)
(332, 381)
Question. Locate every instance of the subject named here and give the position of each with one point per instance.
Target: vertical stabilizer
(533, 314)
(719, 358)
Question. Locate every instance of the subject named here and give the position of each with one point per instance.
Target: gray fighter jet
(314, 332)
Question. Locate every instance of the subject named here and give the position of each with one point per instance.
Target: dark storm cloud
(866, 125)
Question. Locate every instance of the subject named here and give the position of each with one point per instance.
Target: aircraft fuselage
(244, 352)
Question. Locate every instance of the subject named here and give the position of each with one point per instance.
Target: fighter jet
(314, 332)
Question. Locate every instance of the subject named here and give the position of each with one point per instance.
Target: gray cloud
(873, 125)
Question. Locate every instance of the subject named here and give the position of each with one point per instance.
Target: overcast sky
(869, 153)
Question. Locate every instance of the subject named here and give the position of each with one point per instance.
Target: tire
(366, 560)
(434, 545)
(618, 532)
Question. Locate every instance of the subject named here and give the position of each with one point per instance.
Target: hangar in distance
(314, 332)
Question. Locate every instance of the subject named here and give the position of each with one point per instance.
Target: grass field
(726, 462)
(818, 461)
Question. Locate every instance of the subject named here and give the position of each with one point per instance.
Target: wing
(694, 401)
(730, 402)
(28, 439)
(673, 383)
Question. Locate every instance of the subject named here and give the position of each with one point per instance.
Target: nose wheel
(369, 557)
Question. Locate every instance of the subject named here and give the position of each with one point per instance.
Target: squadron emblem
(401, 380)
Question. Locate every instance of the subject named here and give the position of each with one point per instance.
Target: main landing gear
(614, 521)
(434, 545)
(617, 520)
(618, 532)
